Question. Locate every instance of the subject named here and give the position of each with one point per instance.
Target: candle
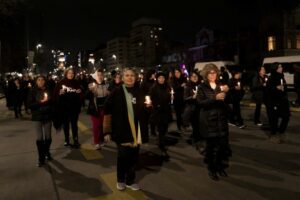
(187, 78)
(221, 77)
(172, 95)
(45, 95)
(266, 79)
(147, 100)
(29, 84)
(64, 87)
(222, 88)
(281, 81)
(239, 84)
(94, 84)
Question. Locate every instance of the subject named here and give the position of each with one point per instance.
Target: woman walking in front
(124, 114)
(40, 104)
(213, 121)
(69, 96)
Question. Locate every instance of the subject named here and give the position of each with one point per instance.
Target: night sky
(77, 24)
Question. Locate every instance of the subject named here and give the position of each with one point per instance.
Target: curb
(251, 104)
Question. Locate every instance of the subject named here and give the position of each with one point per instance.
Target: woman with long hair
(40, 102)
(69, 98)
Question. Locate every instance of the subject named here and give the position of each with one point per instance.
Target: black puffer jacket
(40, 111)
(213, 113)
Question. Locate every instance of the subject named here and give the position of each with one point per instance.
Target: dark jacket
(40, 111)
(116, 106)
(258, 89)
(70, 101)
(213, 113)
(233, 94)
(277, 99)
(161, 98)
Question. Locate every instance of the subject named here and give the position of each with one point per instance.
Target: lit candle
(281, 81)
(29, 84)
(45, 95)
(266, 79)
(222, 88)
(172, 95)
(239, 84)
(94, 84)
(147, 100)
(64, 87)
(221, 77)
(187, 78)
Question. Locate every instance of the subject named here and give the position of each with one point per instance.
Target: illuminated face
(212, 76)
(177, 74)
(100, 76)
(70, 74)
(161, 80)
(40, 82)
(237, 76)
(129, 78)
(117, 78)
(262, 71)
(279, 69)
(194, 78)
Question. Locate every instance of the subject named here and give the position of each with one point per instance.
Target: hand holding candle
(147, 100)
(172, 95)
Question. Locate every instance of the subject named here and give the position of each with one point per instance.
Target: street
(259, 169)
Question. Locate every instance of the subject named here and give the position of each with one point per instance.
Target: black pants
(162, 131)
(126, 164)
(73, 119)
(179, 107)
(235, 115)
(257, 113)
(217, 153)
(274, 117)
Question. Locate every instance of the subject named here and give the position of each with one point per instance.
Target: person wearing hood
(160, 95)
(98, 91)
(69, 96)
(277, 103)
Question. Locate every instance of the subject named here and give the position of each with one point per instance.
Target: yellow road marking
(89, 152)
(110, 180)
(83, 128)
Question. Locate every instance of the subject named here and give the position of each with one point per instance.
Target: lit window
(298, 41)
(271, 43)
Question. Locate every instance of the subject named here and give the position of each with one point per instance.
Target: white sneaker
(121, 186)
(134, 187)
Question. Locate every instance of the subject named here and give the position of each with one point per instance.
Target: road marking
(90, 153)
(128, 194)
(88, 150)
(83, 128)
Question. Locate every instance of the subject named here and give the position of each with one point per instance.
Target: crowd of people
(128, 109)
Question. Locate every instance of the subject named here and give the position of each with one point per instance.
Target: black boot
(40, 147)
(213, 175)
(47, 149)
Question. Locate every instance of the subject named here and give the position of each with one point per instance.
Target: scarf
(136, 137)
